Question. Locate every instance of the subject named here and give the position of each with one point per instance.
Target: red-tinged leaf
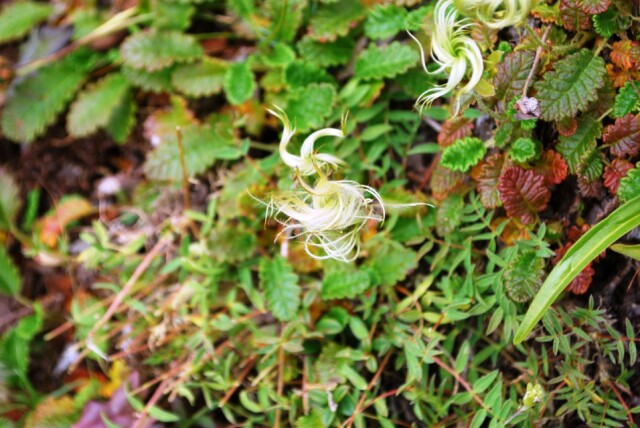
(552, 167)
(590, 189)
(453, 129)
(444, 181)
(620, 77)
(486, 175)
(581, 283)
(512, 74)
(523, 193)
(54, 223)
(593, 7)
(614, 172)
(573, 16)
(623, 136)
(567, 126)
(626, 54)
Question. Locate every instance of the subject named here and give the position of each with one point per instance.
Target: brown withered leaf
(623, 136)
(625, 54)
(581, 283)
(573, 16)
(590, 188)
(486, 175)
(567, 126)
(593, 7)
(453, 129)
(68, 210)
(614, 172)
(552, 167)
(512, 74)
(523, 193)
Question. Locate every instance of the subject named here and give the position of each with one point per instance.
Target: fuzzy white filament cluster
(452, 47)
(328, 215)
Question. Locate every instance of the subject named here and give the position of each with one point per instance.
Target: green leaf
(308, 107)
(587, 248)
(162, 415)
(154, 50)
(36, 102)
(380, 62)
(335, 20)
(512, 74)
(523, 276)
(632, 251)
(171, 15)
(10, 281)
(17, 18)
(200, 79)
(239, 83)
(9, 200)
(203, 145)
(385, 21)
(449, 214)
(577, 148)
(524, 150)
(463, 154)
(341, 285)
(122, 119)
(572, 86)
(327, 54)
(314, 420)
(630, 185)
(627, 100)
(153, 81)
(392, 262)
(606, 24)
(281, 287)
(96, 105)
(300, 73)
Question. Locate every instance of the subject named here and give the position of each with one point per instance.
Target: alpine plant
(328, 215)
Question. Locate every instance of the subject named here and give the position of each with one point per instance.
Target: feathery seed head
(495, 14)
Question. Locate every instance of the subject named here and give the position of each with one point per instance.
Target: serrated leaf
(463, 154)
(36, 102)
(239, 83)
(203, 145)
(523, 193)
(614, 173)
(385, 21)
(512, 74)
(593, 7)
(630, 185)
(308, 107)
(122, 119)
(524, 150)
(10, 280)
(576, 148)
(449, 214)
(523, 276)
(625, 54)
(571, 86)
(384, 62)
(444, 181)
(392, 262)
(286, 18)
(200, 79)
(454, 129)
(281, 287)
(573, 17)
(326, 54)
(552, 166)
(154, 50)
(95, 105)
(171, 15)
(9, 200)
(334, 20)
(17, 18)
(300, 73)
(340, 285)
(627, 100)
(486, 176)
(606, 24)
(623, 136)
(153, 81)
(591, 166)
